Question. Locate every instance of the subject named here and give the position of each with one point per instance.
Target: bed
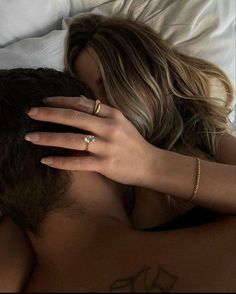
(32, 32)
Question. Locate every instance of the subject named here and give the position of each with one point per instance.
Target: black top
(194, 217)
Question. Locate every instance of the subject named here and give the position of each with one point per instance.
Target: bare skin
(151, 207)
(99, 251)
(153, 172)
(105, 255)
(212, 255)
(93, 247)
(16, 257)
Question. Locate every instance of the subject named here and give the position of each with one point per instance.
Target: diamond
(89, 139)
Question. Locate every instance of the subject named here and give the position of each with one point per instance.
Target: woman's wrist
(175, 174)
(171, 173)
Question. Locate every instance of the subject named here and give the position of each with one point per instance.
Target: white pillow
(85, 5)
(203, 28)
(47, 51)
(30, 18)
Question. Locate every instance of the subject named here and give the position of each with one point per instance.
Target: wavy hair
(164, 93)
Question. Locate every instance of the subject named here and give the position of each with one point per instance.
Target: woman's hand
(119, 151)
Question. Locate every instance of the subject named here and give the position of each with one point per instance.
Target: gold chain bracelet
(197, 180)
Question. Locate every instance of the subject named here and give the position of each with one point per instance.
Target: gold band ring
(97, 107)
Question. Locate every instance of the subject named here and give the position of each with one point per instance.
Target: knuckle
(47, 138)
(80, 105)
(117, 114)
(58, 98)
(84, 98)
(46, 112)
(74, 115)
(114, 129)
(78, 102)
(77, 163)
(108, 151)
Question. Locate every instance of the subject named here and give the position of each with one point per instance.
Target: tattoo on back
(150, 280)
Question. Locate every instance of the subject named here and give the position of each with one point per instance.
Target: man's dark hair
(29, 189)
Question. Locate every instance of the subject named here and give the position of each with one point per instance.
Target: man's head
(29, 189)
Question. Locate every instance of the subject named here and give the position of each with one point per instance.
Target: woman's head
(165, 94)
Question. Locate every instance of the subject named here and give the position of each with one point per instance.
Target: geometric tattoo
(161, 280)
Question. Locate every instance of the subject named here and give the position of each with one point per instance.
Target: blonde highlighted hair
(164, 93)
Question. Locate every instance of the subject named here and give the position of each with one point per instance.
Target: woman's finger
(65, 140)
(69, 117)
(83, 163)
(79, 103)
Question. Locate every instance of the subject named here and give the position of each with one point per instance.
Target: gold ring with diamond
(88, 139)
(97, 107)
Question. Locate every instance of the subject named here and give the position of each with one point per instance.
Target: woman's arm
(120, 147)
(16, 257)
(174, 174)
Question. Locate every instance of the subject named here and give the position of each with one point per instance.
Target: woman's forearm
(175, 174)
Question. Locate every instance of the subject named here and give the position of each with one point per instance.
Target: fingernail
(32, 137)
(46, 160)
(33, 111)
